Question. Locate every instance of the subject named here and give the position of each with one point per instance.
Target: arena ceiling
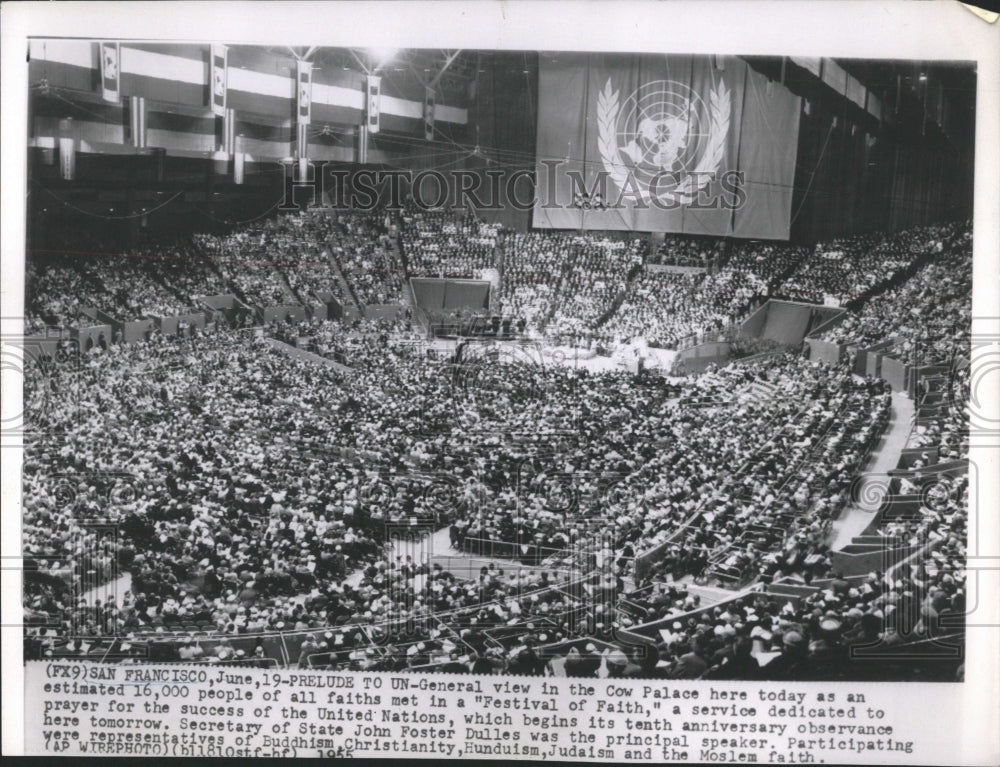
(906, 87)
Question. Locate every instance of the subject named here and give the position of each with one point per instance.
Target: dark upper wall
(879, 147)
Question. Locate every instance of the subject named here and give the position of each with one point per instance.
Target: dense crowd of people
(367, 257)
(57, 289)
(151, 280)
(196, 441)
(441, 244)
(205, 459)
(533, 267)
(937, 528)
(563, 286)
(927, 317)
(702, 252)
(665, 307)
(358, 343)
(595, 276)
(768, 262)
(669, 309)
(852, 267)
(822, 636)
(257, 259)
(266, 479)
(768, 516)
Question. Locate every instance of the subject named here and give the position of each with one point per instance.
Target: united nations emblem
(665, 137)
(110, 62)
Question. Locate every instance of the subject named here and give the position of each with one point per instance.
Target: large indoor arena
(639, 365)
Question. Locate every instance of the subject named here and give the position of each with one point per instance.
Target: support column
(137, 121)
(302, 150)
(229, 132)
(238, 160)
(362, 155)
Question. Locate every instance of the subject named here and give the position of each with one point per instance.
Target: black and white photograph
(596, 402)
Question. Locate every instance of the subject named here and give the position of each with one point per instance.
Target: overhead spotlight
(923, 77)
(382, 56)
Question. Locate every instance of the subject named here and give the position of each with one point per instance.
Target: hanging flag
(429, 101)
(67, 150)
(374, 88)
(110, 71)
(67, 158)
(238, 164)
(220, 64)
(668, 143)
(304, 78)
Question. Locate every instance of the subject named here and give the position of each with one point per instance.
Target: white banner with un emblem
(663, 143)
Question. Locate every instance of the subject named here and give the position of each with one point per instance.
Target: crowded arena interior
(304, 387)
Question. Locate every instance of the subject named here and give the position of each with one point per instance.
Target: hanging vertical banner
(110, 71)
(664, 143)
(67, 150)
(67, 158)
(429, 102)
(220, 74)
(304, 78)
(238, 161)
(302, 150)
(769, 131)
(373, 100)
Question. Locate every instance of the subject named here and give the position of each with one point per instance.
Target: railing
(286, 644)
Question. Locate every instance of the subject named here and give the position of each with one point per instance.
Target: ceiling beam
(448, 62)
(418, 75)
(361, 63)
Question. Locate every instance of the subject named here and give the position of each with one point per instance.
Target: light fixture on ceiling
(382, 56)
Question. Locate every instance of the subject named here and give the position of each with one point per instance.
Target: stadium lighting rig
(382, 56)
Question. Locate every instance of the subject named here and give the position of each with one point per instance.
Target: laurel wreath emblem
(685, 192)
